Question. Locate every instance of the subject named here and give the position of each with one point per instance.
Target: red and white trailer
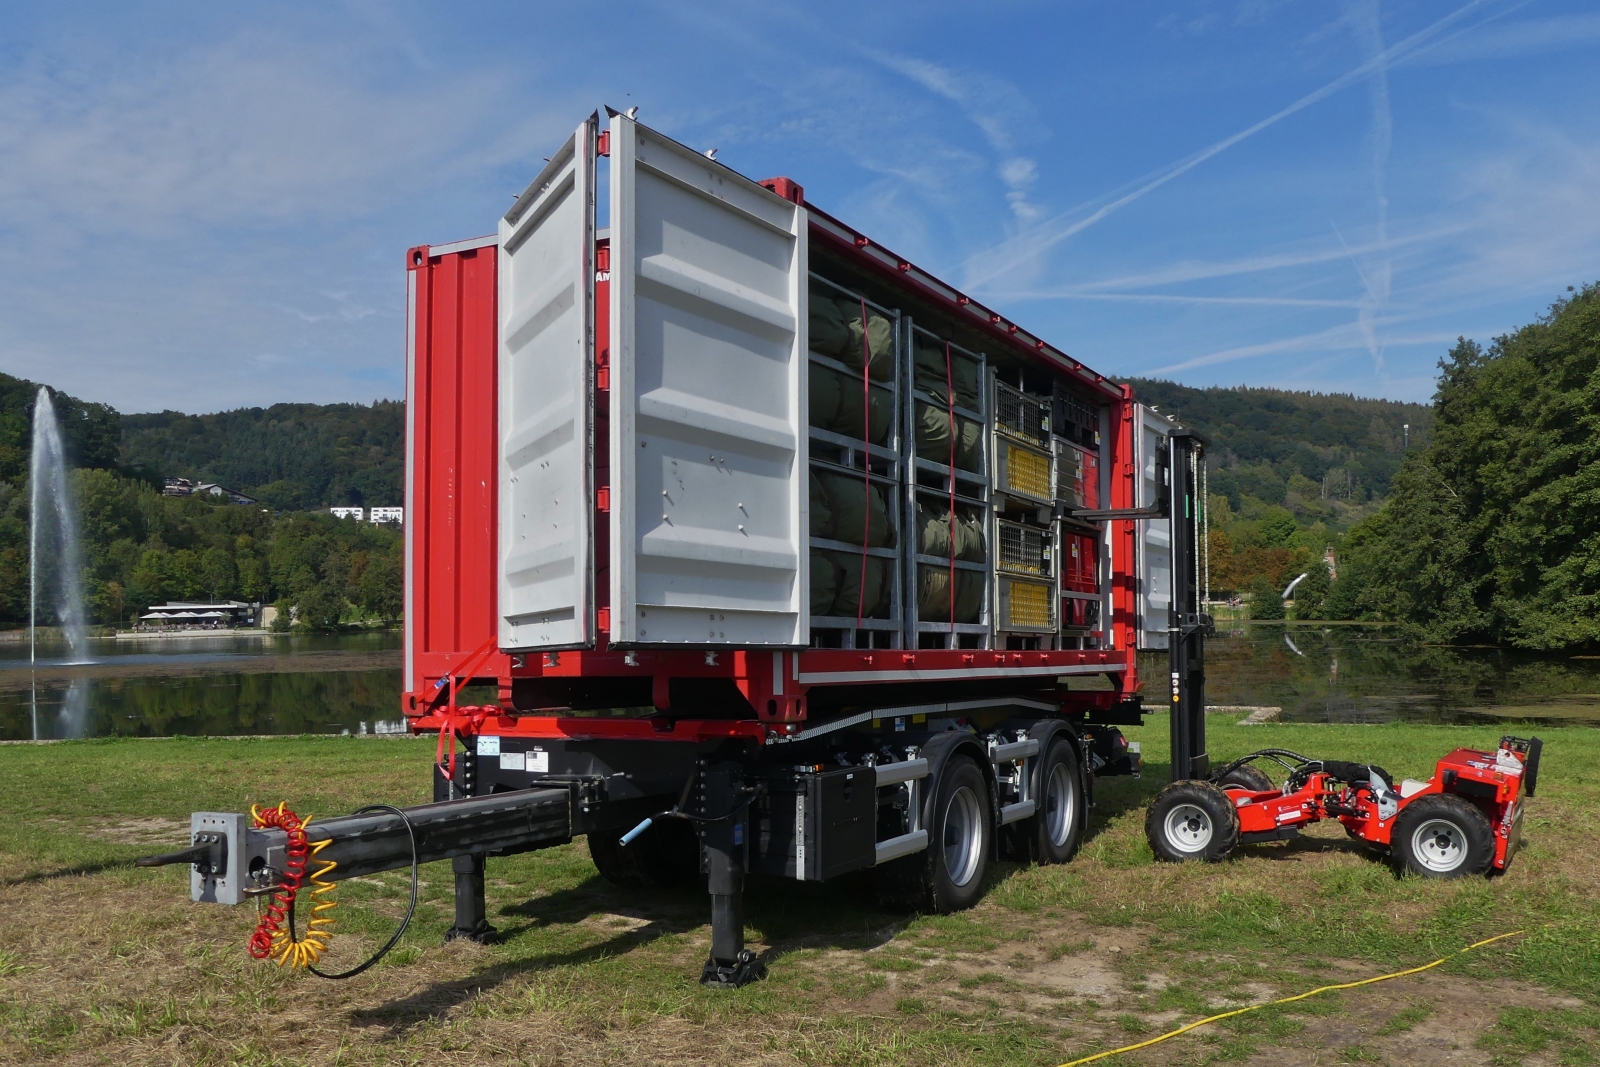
(621, 444)
(782, 556)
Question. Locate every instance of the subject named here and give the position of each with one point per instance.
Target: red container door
(451, 464)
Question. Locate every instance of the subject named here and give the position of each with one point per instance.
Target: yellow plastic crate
(1026, 605)
(1026, 472)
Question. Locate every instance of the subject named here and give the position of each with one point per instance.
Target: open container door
(546, 400)
(708, 411)
(1154, 535)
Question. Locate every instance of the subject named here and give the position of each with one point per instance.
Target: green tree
(1311, 595)
(1265, 603)
(1493, 531)
(218, 573)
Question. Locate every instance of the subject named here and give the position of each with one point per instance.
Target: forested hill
(90, 431)
(290, 456)
(1321, 455)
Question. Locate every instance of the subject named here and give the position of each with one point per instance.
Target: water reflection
(214, 704)
(1369, 674)
(1333, 674)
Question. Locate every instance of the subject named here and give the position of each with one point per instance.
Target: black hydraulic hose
(411, 908)
(1280, 756)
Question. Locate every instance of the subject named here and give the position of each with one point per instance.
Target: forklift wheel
(1442, 836)
(1192, 821)
(1248, 777)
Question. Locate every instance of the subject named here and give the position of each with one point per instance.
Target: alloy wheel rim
(1189, 828)
(1439, 845)
(1060, 802)
(963, 840)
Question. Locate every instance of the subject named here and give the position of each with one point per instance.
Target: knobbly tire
(1248, 777)
(948, 875)
(1192, 820)
(1442, 836)
(666, 856)
(1055, 831)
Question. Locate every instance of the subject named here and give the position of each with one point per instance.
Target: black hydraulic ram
(231, 860)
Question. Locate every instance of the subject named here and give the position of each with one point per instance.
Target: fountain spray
(51, 512)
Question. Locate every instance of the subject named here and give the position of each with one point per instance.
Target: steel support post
(1187, 622)
(472, 921)
(730, 963)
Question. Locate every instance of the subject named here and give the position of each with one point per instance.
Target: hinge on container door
(602, 143)
(602, 498)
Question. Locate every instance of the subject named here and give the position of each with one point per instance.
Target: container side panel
(546, 295)
(1155, 535)
(450, 461)
(708, 412)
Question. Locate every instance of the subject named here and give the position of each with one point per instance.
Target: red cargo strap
(454, 721)
(950, 408)
(455, 678)
(866, 459)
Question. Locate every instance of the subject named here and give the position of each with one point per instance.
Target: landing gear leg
(472, 923)
(731, 964)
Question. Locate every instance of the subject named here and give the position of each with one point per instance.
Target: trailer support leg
(472, 923)
(730, 964)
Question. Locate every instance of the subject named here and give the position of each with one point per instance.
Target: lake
(293, 684)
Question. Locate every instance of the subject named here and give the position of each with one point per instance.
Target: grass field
(101, 963)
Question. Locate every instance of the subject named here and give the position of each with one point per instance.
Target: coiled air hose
(285, 945)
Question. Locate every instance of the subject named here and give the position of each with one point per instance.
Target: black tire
(665, 856)
(948, 875)
(1192, 821)
(1248, 777)
(1055, 831)
(1442, 836)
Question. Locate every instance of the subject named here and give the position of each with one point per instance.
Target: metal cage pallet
(937, 482)
(877, 464)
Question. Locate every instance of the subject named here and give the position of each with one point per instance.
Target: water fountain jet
(51, 516)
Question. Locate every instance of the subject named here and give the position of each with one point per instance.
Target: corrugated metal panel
(708, 419)
(450, 458)
(547, 404)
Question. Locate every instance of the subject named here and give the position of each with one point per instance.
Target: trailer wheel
(948, 875)
(1442, 836)
(1248, 777)
(1192, 820)
(663, 857)
(1055, 832)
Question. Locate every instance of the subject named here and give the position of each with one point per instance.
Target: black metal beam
(501, 822)
(1187, 623)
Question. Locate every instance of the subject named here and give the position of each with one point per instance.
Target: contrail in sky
(1027, 245)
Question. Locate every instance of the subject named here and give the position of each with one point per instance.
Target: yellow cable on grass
(1289, 1000)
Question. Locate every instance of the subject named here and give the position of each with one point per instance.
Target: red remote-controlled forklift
(1466, 819)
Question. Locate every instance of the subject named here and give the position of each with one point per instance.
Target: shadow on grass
(788, 916)
(74, 871)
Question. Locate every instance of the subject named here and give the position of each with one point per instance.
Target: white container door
(708, 405)
(1155, 535)
(546, 283)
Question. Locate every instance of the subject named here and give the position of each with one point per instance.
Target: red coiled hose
(294, 873)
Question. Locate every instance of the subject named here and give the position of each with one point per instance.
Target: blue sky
(206, 209)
